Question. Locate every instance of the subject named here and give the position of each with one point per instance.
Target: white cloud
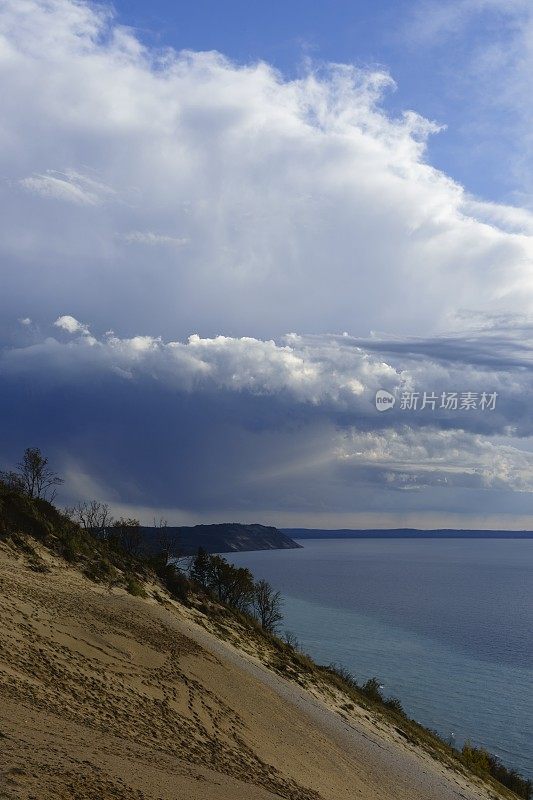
(303, 204)
(70, 187)
(71, 325)
(283, 428)
(330, 374)
(413, 459)
(160, 193)
(150, 238)
(507, 218)
(315, 373)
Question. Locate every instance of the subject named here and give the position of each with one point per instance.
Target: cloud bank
(282, 428)
(162, 193)
(295, 204)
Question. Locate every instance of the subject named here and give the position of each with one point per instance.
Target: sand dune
(108, 696)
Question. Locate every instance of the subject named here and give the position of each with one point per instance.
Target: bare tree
(290, 638)
(34, 476)
(267, 606)
(95, 517)
(12, 480)
(167, 544)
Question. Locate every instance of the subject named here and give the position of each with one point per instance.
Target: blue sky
(224, 228)
(433, 72)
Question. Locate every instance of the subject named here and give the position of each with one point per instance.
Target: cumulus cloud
(71, 325)
(508, 218)
(248, 426)
(327, 376)
(304, 204)
(158, 193)
(411, 459)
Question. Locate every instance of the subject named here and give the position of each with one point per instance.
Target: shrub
(134, 587)
(394, 705)
(484, 763)
(372, 689)
(20, 513)
(476, 758)
(347, 677)
(101, 570)
(22, 544)
(175, 581)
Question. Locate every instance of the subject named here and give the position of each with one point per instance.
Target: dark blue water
(446, 625)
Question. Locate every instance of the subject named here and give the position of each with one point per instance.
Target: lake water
(446, 625)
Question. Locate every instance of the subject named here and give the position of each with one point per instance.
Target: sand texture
(103, 695)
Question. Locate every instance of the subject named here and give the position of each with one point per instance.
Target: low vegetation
(108, 551)
(484, 763)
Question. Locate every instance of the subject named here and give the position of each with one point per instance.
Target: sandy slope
(106, 696)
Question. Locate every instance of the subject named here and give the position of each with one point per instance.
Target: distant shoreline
(402, 533)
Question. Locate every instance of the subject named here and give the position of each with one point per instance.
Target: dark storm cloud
(164, 193)
(245, 424)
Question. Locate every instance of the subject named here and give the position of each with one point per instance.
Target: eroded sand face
(108, 696)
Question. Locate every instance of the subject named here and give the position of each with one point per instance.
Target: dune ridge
(105, 695)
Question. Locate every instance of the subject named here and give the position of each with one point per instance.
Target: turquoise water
(446, 625)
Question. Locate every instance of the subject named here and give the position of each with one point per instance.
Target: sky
(460, 64)
(225, 227)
